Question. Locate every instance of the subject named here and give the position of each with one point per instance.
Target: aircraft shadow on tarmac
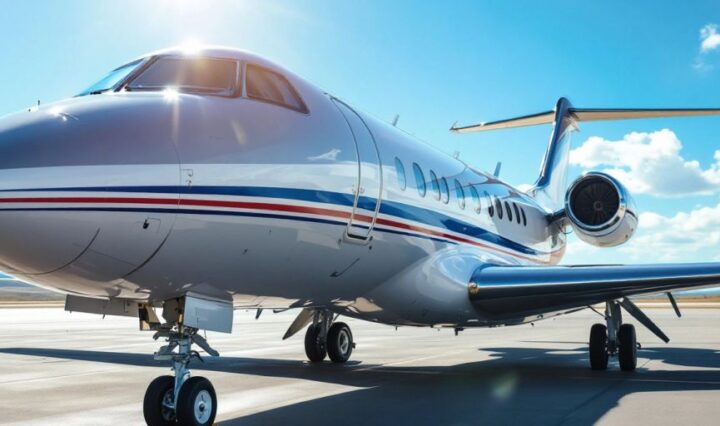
(528, 385)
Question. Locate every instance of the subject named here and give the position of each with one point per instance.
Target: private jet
(185, 185)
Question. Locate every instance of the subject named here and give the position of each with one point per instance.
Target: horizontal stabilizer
(584, 114)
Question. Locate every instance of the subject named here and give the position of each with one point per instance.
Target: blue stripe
(391, 208)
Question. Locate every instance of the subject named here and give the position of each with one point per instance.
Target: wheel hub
(168, 407)
(203, 406)
(344, 342)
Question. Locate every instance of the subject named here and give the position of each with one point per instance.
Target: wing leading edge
(506, 292)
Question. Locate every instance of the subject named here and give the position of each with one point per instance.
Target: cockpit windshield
(111, 79)
(188, 74)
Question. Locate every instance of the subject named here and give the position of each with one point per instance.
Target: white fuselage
(144, 196)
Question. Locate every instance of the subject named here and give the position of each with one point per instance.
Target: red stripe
(259, 206)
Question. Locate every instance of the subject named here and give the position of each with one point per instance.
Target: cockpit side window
(266, 85)
(212, 76)
(112, 79)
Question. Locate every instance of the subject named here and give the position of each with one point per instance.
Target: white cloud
(709, 38)
(709, 41)
(649, 163)
(692, 236)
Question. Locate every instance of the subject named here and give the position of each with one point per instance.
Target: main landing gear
(183, 400)
(327, 338)
(614, 339)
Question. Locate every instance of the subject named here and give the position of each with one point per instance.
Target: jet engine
(601, 210)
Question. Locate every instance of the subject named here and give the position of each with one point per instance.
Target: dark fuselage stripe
(389, 208)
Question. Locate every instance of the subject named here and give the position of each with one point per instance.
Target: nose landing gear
(325, 338)
(614, 339)
(181, 399)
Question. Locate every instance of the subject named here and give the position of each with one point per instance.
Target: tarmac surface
(62, 368)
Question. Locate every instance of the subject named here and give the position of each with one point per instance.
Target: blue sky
(437, 62)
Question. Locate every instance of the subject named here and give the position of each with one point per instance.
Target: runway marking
(407, 361)
(249, 402)
(62, 376)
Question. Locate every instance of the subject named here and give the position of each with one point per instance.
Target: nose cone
(53, 159)
(87, 131)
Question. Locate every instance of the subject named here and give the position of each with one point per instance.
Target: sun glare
(170, 94)
(191, 47)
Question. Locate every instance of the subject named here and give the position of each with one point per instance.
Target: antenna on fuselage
(498, 166)
(395, 120)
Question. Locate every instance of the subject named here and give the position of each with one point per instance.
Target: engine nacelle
(600, 209)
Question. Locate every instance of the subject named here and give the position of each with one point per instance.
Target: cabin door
(368, 190)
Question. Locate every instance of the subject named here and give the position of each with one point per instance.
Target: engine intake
(600, 209)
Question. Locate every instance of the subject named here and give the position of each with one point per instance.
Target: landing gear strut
(327, 338)
(614, 339)
(180, 399)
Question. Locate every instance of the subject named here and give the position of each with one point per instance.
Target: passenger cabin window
(498, 207)
(445, 189)
(518, 219)
(491, 209)
(435, 185)
(460, 194)
(476, 199)
(400, 171)
(508, 210)
(524, 218)
(197, 75)
(419, 180)
(269, 86)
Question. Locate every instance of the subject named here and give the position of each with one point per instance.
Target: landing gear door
(368, 190)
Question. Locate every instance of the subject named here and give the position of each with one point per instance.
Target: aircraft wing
(505, 292)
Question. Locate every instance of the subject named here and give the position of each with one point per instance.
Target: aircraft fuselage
(149, 195)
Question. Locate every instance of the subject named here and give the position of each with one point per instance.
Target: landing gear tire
(627, 350)
(339, 342)
(157, 405)
(197, 403)
(598, 347)
(315, 347)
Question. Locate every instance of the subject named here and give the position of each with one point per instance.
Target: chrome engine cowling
(601, 210)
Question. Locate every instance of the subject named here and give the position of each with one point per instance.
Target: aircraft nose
(34, 238)
(39, 137)
(56, 164)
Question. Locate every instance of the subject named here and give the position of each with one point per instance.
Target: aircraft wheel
(158, 402)
(627, 351)
(339, 342)
(315, 347)
(598, 347)
(197, 403)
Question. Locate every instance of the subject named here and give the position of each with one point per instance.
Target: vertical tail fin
(550, 187)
